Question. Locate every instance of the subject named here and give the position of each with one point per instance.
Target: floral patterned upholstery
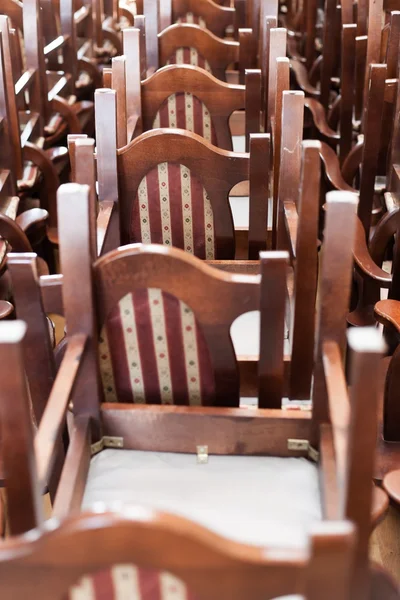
(193, 19)
(127, 582)
(186, 111)
(189, 56)
(153, 351)
(173, 208)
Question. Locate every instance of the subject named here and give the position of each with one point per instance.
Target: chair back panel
(186, 111)
(204, 104)
(180, 170)
(172, 207)
(189, 56)
(193, 19)
(123, 580)
(153, 351)
(169, 315)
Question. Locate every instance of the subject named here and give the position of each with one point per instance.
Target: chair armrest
(54, 415)
(13, 234)
(61, 106)
(353, 162)
(387, 312)
(364, 261)
(319, 118)
(88, 67)
(6, 309)
(32, 217)
(302, 79)
(332, 169)
(51, 181)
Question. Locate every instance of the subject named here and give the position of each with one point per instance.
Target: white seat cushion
(245, 334)
(251, 499)
(240, 211)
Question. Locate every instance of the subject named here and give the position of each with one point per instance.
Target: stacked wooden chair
(219, 263)
(170, 274)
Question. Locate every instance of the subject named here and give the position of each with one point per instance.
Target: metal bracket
(202, 454)
(303, 446)
(107, 441)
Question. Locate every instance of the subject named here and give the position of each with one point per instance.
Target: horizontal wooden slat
(224, 430)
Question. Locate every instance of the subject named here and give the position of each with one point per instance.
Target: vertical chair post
(329, 52)
(347, 89)
(106, 144)
(260, 146)
(277, 38)
(310, 27)
(246, 52)
(151, 13)
(119, 85)
(23, 494)
(140, 23)
(165, 13)
(305, 274)
(372, 136)
(333, 291)
(331, 566)
(272, 324)
(267, 23)
(132, 79)
(375, 10)
(85, 175)
(282, 85)
(367, 348)
(75, 235)
(289, 172)
(252, 103)
(71, 139)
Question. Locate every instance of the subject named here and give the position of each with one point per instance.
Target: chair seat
(251, 499)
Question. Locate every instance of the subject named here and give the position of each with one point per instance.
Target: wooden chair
(181, 96)
(333, 427)
(205, 13)
(300, 222)
(65, 49)
(51, 93)
(163, 549)
(214, 176)
(28, 229)
(184, 43)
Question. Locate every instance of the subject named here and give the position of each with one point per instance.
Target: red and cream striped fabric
(153, 351)
(172, 207)
(127, 582)
(186, 111)
(193, 19)
(189, 56)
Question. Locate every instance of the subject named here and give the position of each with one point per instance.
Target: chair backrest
(181, 96)
(189, 196)
(185, 43)
(149, 311)
(205, 13)
(159, 551)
